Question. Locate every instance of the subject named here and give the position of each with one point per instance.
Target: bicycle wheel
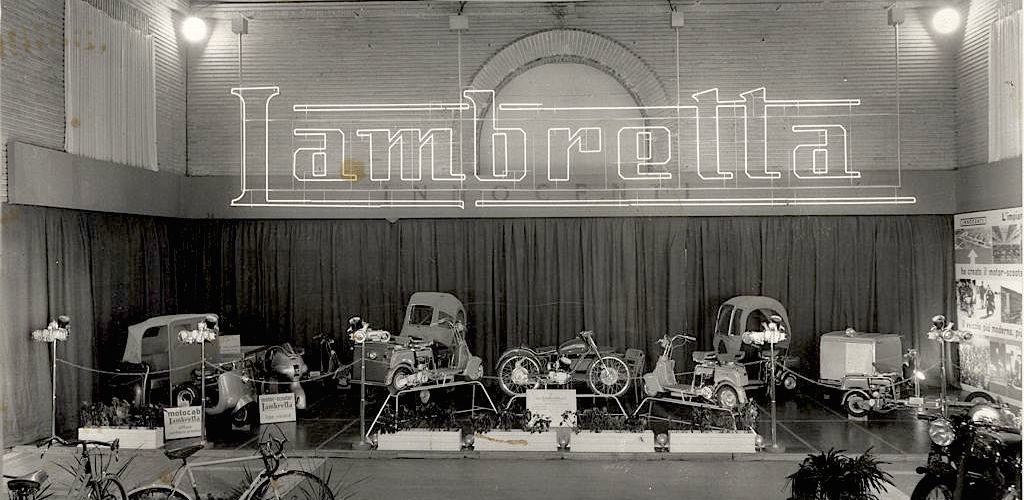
(107, 488)
(293, 485)
(157, 493)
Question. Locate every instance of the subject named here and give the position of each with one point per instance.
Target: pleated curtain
(1005, 87)
(109, 80)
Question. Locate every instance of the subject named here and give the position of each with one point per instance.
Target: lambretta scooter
(717, 379)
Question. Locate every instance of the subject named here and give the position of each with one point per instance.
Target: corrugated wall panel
(972, 76)
(32, 102)
(386, 52)
(32, 55)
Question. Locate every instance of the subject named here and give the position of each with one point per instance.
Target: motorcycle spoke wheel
(293, 485)
(517, 374)
(608, 376)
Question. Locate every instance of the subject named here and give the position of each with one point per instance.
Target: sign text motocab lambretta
(712, 150)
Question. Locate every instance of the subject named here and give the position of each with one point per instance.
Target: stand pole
(53, 393)
(202, 390)
(942, 370)
(774, 448)
(362, 444)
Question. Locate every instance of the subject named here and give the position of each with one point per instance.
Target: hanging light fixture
(946, 20)
(193, 29)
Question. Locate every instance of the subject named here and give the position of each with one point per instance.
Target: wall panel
(394, 52)
(32, 56)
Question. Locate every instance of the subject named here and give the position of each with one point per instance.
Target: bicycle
(31, 486)
(268, 484)
(100, 485)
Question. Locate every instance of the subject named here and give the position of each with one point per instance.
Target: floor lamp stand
(362, 444)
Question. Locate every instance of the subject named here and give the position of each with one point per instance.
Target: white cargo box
(860, 354)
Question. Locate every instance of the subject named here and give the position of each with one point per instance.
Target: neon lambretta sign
(715, 151)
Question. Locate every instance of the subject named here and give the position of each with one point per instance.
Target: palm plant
(833, 476)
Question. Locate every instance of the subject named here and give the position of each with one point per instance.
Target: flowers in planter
(120, 413)
(206, 331)
(58, 329)
(598, 419)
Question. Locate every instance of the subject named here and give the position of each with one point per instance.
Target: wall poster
(989, 276)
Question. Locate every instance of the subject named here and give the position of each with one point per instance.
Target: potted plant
(596, 430)
(424, 427)
(510, 431)
(833, 476)
(137, 426)
(712, 430)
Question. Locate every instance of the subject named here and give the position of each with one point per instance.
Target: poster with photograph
(989, 274)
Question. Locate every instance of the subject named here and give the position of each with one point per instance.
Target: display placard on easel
(551, 404)
(183, 422)
(276, 408)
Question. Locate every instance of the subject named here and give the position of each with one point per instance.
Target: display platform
(806, 423)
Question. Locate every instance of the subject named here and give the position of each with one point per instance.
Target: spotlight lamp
(193, 29)
(946, 20)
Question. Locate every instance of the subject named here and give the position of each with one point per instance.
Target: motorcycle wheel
(933, 488)
(515, 386)
(397, 383)
(856, 404)
(979, 397)
(727, 397)
(789, 381)
(186, 395)
(608, 376)
(244, 415)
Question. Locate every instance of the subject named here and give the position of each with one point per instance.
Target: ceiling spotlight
(193, 29)
(946, 20)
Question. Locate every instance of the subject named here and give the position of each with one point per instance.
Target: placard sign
(230, 344)
(989, 272)
(551, 404)
(183, 422)
(277, 408)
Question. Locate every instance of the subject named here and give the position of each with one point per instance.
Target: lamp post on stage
(772, 333)
(943, 332)
(206, 331)
(57, 331)
(358, 333)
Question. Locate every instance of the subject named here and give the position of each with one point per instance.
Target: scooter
(717, 378)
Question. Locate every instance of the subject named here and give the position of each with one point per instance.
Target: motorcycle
(974, 454)
(607, 373)
(717, 378)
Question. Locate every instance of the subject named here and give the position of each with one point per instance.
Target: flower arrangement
(206, 331)
(58, 329)
(772, 332)
(598, 419)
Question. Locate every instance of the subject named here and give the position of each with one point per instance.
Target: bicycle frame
(194, 484)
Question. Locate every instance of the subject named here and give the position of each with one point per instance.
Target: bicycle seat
(701, 356)
(31, 481)
(183, 452)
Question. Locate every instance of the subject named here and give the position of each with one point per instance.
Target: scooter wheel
(186, 395)
(789, 382)
(856, 403)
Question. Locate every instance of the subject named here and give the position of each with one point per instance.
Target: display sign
(183, 422)
(552, 404)
(230, 344)
(989, 276)
(711, 150)
(277, 408)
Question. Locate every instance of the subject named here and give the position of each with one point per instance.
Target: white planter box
(516, 441)
(612, 441)
(711, 442)
(421, 441)
(131, 438)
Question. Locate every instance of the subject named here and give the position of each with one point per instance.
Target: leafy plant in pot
(832, 475)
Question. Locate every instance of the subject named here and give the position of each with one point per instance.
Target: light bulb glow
(193, 29)
(946, 20)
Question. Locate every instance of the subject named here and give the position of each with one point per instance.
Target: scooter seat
(29, 482)
(701, 356)
(545, 350)
(183, 452)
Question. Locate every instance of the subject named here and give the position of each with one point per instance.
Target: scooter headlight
(941, 432)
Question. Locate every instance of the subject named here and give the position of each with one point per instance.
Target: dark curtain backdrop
(104, 271)
(537, 281)
(524, 281)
